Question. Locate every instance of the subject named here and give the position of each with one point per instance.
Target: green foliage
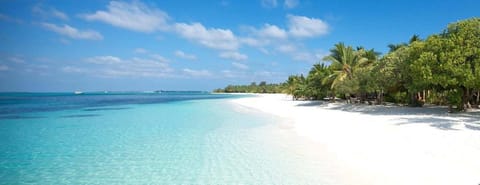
(442, 69)
(262, 87)
(315, 87)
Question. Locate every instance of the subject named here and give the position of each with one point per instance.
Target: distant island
(442, 69)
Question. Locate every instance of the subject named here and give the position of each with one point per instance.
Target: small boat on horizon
(78, 92)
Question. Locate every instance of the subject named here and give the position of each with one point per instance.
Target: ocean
(146, 138)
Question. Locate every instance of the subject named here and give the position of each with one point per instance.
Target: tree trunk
(424, 98)
(333, 97)
(467, 99)
(478, 97)
(463, 105)
(381, 97)
(413, 100)
(378, 97)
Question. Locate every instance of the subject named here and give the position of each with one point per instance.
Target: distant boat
(78, 92)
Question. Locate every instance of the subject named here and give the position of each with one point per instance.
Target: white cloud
(140, 51)
(16, 59)
(272, 31)
(301, 26)
(134, 16)
(59, 14)
(233, 56)
(114, 67)
(197, 73)
(228, 74)
(287, 48)
(233, 74)
(264, 73)
(301, 54)
(239, 65)
(159, 58)
(183, 55)
(268, 76)
(215, 38)
(305, 56)
(4, 68)
(72, 32)
(104, 60)
(254, 42)
(72, 69)
(49, 12)
(264, 51)
(291, 3)
(269, 3)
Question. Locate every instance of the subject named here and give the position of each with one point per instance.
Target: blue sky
(196, 45)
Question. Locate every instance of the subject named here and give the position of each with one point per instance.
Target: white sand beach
(385, 144)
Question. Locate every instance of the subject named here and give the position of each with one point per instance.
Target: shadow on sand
(434, 116)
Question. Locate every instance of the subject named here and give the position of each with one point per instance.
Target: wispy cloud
(254, 42)
(224, 3)
(183, 55)
(269, 3)
(7, 18)
(233, 74)
(47, 12)
(140, 51)
(239, 65)
(116, 67)
(16, 59)
(72, 32)
(160, 58)
(299, 53)
(104, 60)
(64, 41)
(4, 67)
(287, 48)
(133, 16)
(196, 73)
(301, 26)
(73, 69)
(216, 38)
(233, 56)
(290, 4)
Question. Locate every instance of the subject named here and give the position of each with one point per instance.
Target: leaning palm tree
(344, 60)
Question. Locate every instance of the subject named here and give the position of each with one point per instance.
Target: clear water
(137, 138)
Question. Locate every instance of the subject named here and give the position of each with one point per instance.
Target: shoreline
(384, 144)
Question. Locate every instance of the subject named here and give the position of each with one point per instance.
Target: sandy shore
(385, 145)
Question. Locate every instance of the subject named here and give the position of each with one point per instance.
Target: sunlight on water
(172, 142)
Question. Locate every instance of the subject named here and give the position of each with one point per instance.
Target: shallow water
(147, 139)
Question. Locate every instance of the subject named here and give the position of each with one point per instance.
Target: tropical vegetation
(442, 69)
(262, 87)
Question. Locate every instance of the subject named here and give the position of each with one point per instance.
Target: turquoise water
(145, 139)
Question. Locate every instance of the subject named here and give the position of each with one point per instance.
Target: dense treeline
(262, 87)
(443, 69)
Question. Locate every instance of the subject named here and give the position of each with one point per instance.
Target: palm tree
(344, 60)
(315, 86)
(414, 38)
(292, 85)
(395, 47)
